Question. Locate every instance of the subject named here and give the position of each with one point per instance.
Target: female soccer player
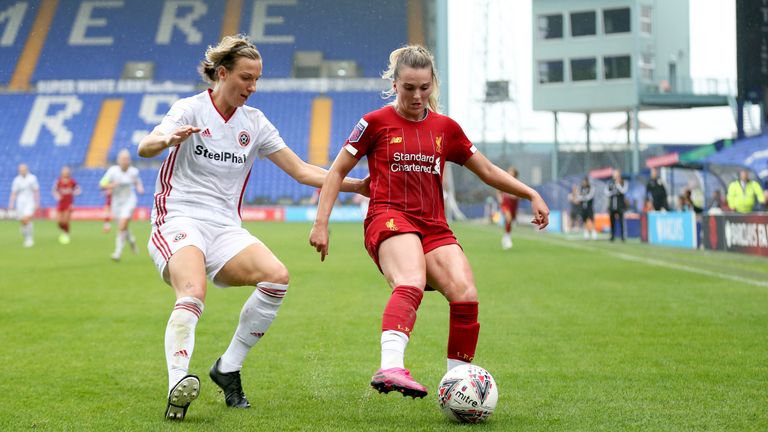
(213, 140)
(123, 182)
(25, 196)
(407, 144)
(64, 190)
(508, 206)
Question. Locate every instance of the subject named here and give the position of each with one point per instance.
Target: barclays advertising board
(676, 229)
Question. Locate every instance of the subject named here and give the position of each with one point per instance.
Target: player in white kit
(123, 181)
(213, 141)
(25, 198)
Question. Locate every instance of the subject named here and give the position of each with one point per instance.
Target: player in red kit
(508, 206)
(407, 144)
(64, 190)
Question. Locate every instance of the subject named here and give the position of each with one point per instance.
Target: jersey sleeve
(460, 148)
(360, 138)
(15, 185)
(35, 184)
(269, 139)
(107, 178)
(176, 117)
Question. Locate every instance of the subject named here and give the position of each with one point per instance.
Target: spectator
(718, 204)
(617, 203)
(743, 193)
(574, 211)
(587, 198)
(685, 203)
(656, 192)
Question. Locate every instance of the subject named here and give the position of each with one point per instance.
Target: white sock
(452, 363)
(255, 318)
(120, 242)
(393, 345)
(180, 337)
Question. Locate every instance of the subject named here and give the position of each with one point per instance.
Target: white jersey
(125, 183)
(24, 188)
(204, 178)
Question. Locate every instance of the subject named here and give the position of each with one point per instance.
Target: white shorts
(123, 209)
(219, 244)
(24, 208)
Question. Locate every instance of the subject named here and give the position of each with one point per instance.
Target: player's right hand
(318, 238)
(181, 134)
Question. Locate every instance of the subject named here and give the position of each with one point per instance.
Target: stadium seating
(88, 40)
(174, 35)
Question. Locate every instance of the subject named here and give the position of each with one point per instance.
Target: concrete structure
(594, 56)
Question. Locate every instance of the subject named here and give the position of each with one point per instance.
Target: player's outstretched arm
(496, 177)
(154, 143)
(318, 236)
(313, 175)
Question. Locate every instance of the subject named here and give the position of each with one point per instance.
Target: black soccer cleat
(180, 396)
(231, 386)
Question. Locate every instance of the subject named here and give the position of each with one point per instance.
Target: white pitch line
(650, 261)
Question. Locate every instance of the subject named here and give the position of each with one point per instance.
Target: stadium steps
(320, 130)
(104, 133)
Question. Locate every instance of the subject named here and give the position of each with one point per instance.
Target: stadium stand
(66, 103)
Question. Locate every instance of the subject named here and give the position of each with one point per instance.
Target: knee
(277, 275)
(462, 292)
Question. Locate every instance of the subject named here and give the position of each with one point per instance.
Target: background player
(123, 182)
(214, 139)
(587, 200)
(508, 207)
(25, 196)
(64, 190)
(407, 144)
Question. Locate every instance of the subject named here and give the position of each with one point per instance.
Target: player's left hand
(540, 212)
(318, 238)
(365, 187)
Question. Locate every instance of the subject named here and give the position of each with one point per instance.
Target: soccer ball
(467, 394)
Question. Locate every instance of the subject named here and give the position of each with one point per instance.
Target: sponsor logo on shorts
(180, 236)
(358, 131)
(244, 138)
(391, 224)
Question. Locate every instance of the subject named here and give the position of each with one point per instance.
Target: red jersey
(66, 190)
(406, 160)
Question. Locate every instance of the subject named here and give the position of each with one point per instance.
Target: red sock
(400, 313)
(463, 331)
(65, 227)
(508, 226)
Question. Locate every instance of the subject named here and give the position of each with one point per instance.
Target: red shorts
(382, 226)
(64, 205)
(509, 204)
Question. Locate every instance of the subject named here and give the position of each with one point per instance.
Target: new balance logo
(206, 133)
(181, 353)
(257, 334)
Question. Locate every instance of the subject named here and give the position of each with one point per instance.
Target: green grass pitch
(580, 336)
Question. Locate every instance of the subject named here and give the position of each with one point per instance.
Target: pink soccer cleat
(397, 379)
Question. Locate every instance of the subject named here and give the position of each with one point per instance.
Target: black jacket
(615, 192)
(657, 193)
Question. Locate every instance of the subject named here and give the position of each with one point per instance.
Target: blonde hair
(225, 54)
(416, 57)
